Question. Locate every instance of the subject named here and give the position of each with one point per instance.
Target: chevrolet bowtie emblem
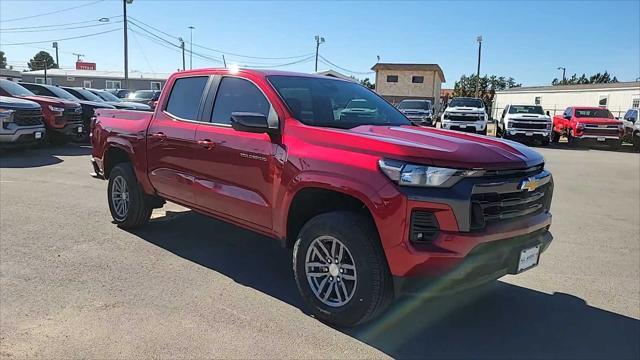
(530, 184)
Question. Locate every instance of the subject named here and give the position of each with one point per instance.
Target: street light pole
(479, 39)
(182, 47)
(191, 47)
(55, 46)
(564, 79)
(319, 40)
(126, 43)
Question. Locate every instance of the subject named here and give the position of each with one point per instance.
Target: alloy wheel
(330, 271)
(120, 197)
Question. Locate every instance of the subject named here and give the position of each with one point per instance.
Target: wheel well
(310, 202)
(112, 157)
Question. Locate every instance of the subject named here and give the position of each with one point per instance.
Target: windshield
(106, 96)
(143, 95)
(467, 102)
(593, 113)
(86, 94)
(330, 103)
(61, 93)
(15, 89)
(415, 105)
(526, 109)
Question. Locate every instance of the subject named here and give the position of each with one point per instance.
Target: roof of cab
(258, 72)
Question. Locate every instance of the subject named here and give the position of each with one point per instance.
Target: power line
(67, 28)
(52, 12)
(307, 59)
(327, 62)
(69, 38)
(172, 46)
(224, 52)
(57, 25)
(135, 38)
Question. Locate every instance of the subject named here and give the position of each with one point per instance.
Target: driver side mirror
(251, 122)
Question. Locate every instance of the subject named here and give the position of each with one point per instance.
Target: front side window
(526, 109)
(593, 113)
(392, 78)
(417, 79)
(334, 103)
(184, 100)
(237, 95)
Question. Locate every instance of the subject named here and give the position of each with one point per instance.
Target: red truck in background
(588, 125)
(62, 118)
(370, 204)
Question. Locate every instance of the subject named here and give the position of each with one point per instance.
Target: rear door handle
(207, 144)
(159, 135)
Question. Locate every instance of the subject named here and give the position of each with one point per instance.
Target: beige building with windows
(396, 82)
(617, 97)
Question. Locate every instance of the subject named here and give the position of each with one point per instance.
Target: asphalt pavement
(73, 285)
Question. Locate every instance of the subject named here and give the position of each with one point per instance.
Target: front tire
(555, 137)
(127, 202)
(340, 269)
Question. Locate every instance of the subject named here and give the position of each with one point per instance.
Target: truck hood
(17, 104)
(468, 110)
(429, 146)
(47, 100)
(598, 121)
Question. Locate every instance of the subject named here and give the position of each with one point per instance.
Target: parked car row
(57, 114)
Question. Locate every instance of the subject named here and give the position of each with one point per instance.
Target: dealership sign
(81, 65)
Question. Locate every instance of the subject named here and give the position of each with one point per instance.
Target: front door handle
(207, 144)
(159, 135)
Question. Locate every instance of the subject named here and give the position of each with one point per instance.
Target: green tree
(3, 60)
(40, 59)
(598, 78)
(367, 83)
(488, 85)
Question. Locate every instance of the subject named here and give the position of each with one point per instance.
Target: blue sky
(525, 40)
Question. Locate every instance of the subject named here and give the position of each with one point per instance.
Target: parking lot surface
(73, 285)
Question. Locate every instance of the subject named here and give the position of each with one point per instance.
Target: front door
(171, 140)
(235, 176)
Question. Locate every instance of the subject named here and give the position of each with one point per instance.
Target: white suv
(465, 114)
(525, 122)
(631, 122)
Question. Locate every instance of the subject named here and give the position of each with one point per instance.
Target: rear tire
(350, 282)
(127, 202)
(635, 140)
(570, 139)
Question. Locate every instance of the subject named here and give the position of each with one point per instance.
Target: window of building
(602, 101)
(42, 81)
(113, 84)
(237, 95)
(538, 100)
(417, 79)
(156, 85)
(86, 83)
(184, 100)
(392, 78)
(635, 103)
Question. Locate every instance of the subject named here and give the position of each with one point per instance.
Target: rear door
(235, 173)
(171, 139)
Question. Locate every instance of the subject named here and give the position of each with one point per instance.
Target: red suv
(370, 204)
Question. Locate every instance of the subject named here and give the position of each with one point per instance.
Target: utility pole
(479, 39)
(319, 40)
(224, 61)
(191, 47)
(182, 47)
(55, 46)
(79, 56)
(564, 78)
(126, 44)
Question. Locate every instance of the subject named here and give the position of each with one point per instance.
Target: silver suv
(21, 122)
(632, 127)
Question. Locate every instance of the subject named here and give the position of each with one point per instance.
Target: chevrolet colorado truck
(524, 123)
(62, 118)
(632, 127)
(420, 112)
(88, 107)
(20, 122)
(465, 114)
(588, 125)
(371, 205)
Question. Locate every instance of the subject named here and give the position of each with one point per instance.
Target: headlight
(445, 116)
(509, 124)
(56, 109)
(407, 174)
(549, 126)
(6, 115)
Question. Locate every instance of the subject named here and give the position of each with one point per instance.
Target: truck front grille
(28, 117)
(530, 125)
(461, 117)
(595, 130)
(71, 116)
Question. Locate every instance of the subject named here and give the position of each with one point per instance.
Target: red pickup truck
(371, 205)
(584, 125)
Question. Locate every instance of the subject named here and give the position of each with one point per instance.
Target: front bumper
(525, 133)
(71, 129)
(466, 126)
(21, 135)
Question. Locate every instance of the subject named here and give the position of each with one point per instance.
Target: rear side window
(237, 95)
(184, 100)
